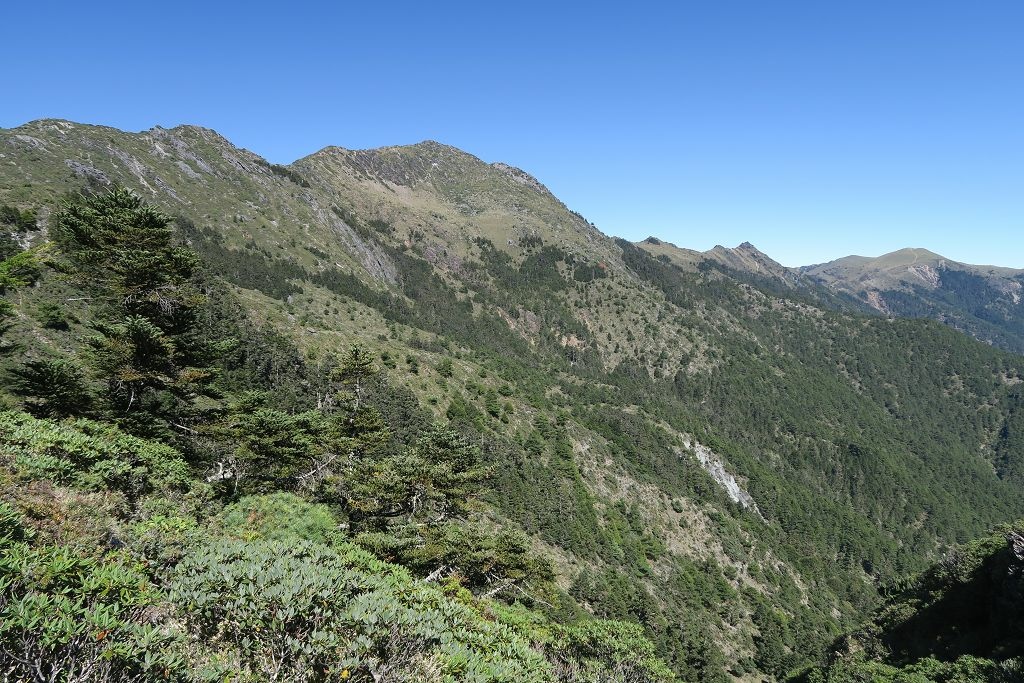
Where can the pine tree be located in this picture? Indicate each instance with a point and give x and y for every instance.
(351, 379)
(53, 387)
(123, 251)
(144, 306)
(437, 479)
(260, 449)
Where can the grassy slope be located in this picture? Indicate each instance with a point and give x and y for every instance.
(859, 438)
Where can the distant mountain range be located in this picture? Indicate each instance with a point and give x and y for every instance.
(986, 302)
(983, 301)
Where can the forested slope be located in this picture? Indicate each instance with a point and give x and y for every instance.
(959, 620)
(611, 396)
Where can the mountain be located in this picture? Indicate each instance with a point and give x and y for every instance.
(746, 257)
(724, 451)
(746, 263)
(983, 301)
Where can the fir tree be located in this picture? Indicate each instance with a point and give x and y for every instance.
(144, 306)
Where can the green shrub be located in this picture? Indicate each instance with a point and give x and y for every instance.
(89, 455)
(11, 528)
(21, 220)
(489, 561)
(69, 618)
(52, 387)
(589, 649)
(279, 517)
(164, 539)
(602, 650)
(306, 612)
(52, 315)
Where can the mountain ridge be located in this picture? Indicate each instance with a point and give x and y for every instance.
(619, 396)
(910, 256)
(432, 145)
(980, 300)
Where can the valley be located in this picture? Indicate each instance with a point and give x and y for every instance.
(646, 463)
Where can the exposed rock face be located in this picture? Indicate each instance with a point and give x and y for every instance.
(1016, 541)
(928, 274)
(714, 467)
(83, 170)
(876, 301)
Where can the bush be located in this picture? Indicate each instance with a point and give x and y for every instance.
(11, 528)
(54, 387)
(89, 455)
(52, 315)
(69, 618)
(22, 221)
(306, 612)
(590, 649)
(602, 650)
(279, 517)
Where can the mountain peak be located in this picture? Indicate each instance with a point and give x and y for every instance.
(520, 176)
(885, 281)
(900, 259)
(908, 256)
(744, 257)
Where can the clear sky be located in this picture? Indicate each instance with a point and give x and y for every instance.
(813, 129)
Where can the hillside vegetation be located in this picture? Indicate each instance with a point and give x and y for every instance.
(957, 621)
(120, 563)
(531, 425)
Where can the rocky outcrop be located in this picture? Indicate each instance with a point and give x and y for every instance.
(714, 466)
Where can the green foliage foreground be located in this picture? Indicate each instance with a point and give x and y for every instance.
(267, 590)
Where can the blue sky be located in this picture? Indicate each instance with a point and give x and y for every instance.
(812, 129)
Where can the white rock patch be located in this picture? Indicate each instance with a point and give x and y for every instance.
(713, 465)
